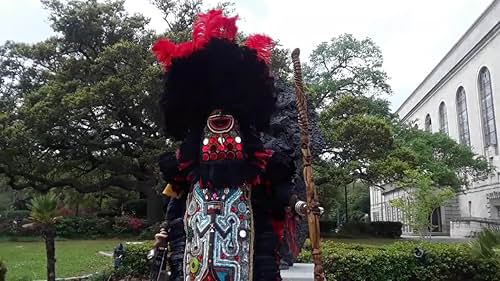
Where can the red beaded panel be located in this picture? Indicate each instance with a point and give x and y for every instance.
(222, 147)
(222, 140)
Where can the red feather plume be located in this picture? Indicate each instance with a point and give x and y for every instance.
(262, 44)
(164, 50)
(213, 24)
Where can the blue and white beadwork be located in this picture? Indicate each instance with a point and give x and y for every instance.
(218, 224)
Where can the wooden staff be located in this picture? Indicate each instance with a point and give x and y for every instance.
(305, 143)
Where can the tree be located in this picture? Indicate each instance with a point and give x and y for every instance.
(80, 109)
(345, 66)
(344, 77)
(81, 106)
(44, 216)
(447, 162)
(365, 142)
(358, 132)
(422, 197)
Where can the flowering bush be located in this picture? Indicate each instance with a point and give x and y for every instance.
(65, 212)
(135, 224)
(128, 224)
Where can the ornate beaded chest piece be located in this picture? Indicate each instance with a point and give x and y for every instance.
(219, 234)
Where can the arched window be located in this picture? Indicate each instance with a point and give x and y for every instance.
(463, 118)
(428, 123)
(443, 119)
(487, 108)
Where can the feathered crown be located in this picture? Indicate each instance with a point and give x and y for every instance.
(213, 24)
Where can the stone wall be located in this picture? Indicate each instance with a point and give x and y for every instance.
(469, 227)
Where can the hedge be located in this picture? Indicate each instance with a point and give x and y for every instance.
(134, 262)
(387, 229)
(351, 262)
(79, 227)
(397, 262)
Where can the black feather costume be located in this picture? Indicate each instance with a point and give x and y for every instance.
(225, 219)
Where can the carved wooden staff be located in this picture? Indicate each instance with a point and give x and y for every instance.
(305, 143)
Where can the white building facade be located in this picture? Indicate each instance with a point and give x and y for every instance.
(460, 97)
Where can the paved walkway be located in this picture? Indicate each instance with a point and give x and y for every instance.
(446, 239)
(298, 272)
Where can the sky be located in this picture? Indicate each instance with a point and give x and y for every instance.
(413, 35)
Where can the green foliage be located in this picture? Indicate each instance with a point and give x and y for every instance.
(134, 261)
(447, 162)
(345, 66)
(397, 262)
(423, 196)
(91, 227)
(3, 271)
(82, 227)
(149, 232)
(136, 207)
(11, 223)
(487, 244)
(43, 209)
(86, 114)
(14, 215)
(104, 275)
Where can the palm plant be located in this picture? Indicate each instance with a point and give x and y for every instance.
(44, 216)
(487, 244)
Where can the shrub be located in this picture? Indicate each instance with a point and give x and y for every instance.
(136, 208)
(149, 232)
(77, 227)
(104, 275)
(387, 229)
(134, 262)
(327, 226)
(3, 271)
(397, 262)
(14, 215)
(11, 223)
(128, 225)
(390, 229)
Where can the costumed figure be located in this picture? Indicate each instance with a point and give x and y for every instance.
(228, 193)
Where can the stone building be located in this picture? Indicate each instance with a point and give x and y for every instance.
(460, 97)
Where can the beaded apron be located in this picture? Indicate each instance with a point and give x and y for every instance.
(219, 234)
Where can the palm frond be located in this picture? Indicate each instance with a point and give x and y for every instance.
(487, 244)
(44, 209)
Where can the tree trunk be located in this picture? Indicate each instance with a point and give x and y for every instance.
(50, 249)
(77, 208)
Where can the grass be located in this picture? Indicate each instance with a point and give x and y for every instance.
(26, 260)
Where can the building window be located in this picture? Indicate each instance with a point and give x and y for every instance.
(428, 123)
(463, 118)
(443, 119)
(470, 208)
(487, 108)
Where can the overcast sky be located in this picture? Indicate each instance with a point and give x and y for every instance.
(413, 35)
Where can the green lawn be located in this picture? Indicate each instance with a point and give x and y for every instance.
(26, 260)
